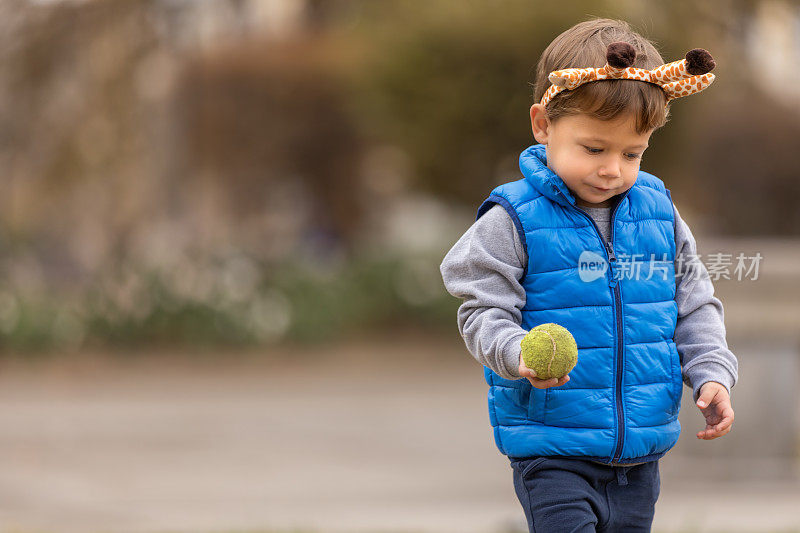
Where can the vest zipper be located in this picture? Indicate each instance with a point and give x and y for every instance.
(608, 246)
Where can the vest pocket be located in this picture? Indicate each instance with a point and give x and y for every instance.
(676, 386)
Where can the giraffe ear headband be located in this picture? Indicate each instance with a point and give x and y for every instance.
(679, 78)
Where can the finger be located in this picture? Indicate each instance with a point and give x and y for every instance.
(547, 383)
(707, 396)
(543, 383)
(537, 383)
(559, 381)
(707, 434)
(712, 432)
(717, 413)
(727, 420)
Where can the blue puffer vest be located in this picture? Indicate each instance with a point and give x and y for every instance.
(622, 401)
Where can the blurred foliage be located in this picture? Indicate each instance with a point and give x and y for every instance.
(140, 148)
(254, 115)
(745, 171)
(234, 300)
(446, 81)
(451, 83)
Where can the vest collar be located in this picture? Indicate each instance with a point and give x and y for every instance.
(533, 164)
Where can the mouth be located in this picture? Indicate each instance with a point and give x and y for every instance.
(601, 189)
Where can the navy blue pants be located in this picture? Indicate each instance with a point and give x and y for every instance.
(576, 495)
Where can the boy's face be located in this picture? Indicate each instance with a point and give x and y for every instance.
(597, 159)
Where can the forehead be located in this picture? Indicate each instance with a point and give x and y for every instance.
(618, 132)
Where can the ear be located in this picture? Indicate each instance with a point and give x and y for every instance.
(540, 124)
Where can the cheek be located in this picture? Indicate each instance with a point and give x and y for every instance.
(630, 178)
(578, 165)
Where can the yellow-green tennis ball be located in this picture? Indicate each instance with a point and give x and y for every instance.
(550, 350)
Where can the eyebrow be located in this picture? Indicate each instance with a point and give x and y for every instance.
(597, 139)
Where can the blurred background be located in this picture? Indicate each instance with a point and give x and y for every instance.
(221, 224)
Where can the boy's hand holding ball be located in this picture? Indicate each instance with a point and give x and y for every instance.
(549, 353)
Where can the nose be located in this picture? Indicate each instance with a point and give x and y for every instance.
(610, 169)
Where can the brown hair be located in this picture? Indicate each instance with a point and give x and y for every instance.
(584, 45)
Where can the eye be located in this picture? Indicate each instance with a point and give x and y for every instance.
(595, 151)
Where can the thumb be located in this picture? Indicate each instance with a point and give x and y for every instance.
(707, 394)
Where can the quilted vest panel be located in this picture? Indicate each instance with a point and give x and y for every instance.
(617, 299)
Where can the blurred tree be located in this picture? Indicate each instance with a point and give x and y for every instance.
(257, 114)
(447, 82)
(753, 186)
(75, 128)
(444, 81)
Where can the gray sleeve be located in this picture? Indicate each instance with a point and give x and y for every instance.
(483, 269)
(700, 331)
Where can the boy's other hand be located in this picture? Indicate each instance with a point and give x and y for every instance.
(715, 404)
(526, 372)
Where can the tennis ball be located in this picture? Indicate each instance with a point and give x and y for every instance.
(550, 351)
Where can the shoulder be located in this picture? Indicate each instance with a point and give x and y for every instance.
(497, 222)
(499, 230)
(497, 216)
(511, 196)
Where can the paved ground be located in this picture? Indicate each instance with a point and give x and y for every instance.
(338, 440)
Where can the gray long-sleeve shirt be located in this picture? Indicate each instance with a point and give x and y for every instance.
(484, 267)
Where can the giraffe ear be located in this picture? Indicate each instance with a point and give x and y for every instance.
(620, 54)
(699, 61)
(687, 86)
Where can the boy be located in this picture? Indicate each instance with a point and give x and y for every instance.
(584, 449)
